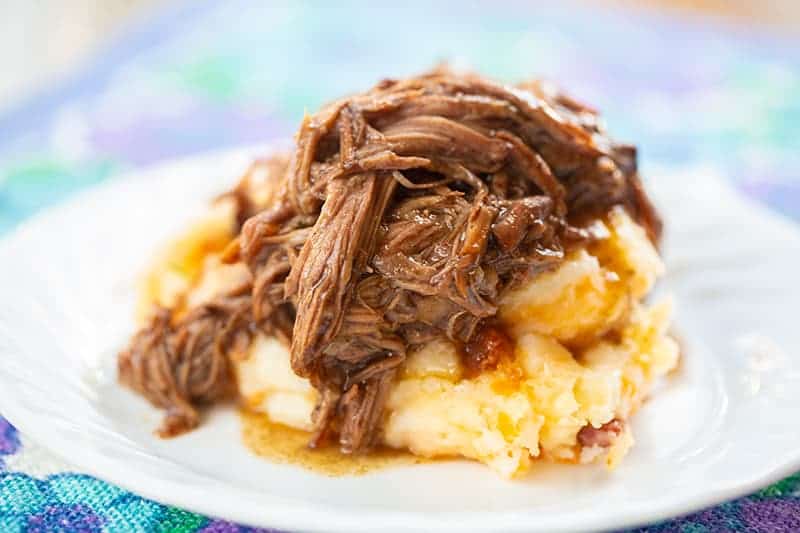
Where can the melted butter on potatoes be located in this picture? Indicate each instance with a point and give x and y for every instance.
(592, 291)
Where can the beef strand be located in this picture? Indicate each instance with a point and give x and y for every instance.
(179, 365)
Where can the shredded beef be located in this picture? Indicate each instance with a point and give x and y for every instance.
(177, 366)
(402, 215)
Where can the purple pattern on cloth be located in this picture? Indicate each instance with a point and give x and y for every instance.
(220, 526)
(65, 518)
(774, 514)
(9, 440)
(156, 139)
(720, 519)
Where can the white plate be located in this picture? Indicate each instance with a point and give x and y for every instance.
(725, 425)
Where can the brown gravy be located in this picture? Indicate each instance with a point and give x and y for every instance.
(285, 445)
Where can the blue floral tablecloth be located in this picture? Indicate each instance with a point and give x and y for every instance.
(207, 75)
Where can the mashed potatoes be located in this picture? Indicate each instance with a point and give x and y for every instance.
(586, 353)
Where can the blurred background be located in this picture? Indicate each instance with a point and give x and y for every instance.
(41, 39)
(93, 87)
